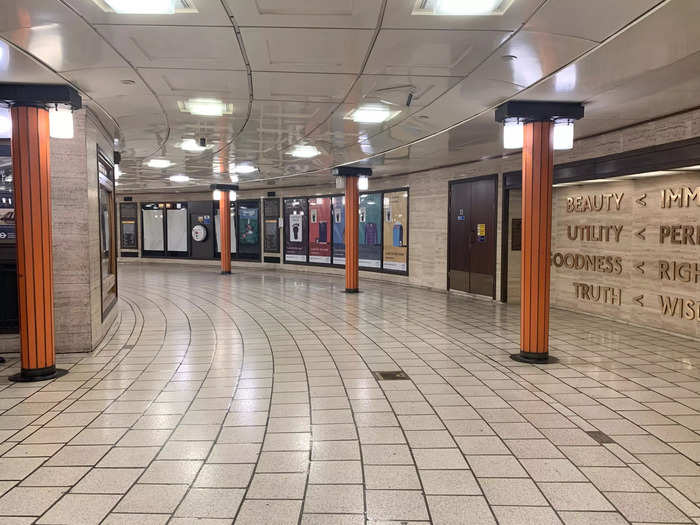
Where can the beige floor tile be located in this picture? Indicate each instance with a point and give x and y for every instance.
(128, 457)
(397, 505)
(29, 501)
(333, 472)
(55, 476)
(210, 503)
(107, 481)
(18, 468)
(391, 477)
(136, 519)
(80, 509)
(526, 516)
(270, 512)
(496, 467)
(575, 496)
(341, 499)
(75, 456)
(144, 438)
(285, 461)
(152, 498)
(458, 510)
(277, 486)
(98, 436)
(185, 450)
(224, 476)
(646, 507)
(449, 482)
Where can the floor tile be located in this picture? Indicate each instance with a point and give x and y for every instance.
(81, 509)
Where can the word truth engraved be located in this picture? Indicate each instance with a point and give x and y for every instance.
(598, 294)
(591, 232)
(597, 202)
(683, 198)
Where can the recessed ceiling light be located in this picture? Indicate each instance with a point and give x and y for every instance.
(304, 151)
(205, 107)
(243, 169)
(461, 7)
(372, 114)
(234, 178)
(192, 145)
(159, 163)
(179, 178)
(142, 7)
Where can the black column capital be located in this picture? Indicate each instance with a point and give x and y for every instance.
(42, 95)
(351, 171)
(535, 111)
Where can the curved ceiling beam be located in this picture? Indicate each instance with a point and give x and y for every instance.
(487, 110)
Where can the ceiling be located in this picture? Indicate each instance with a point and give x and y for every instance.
(291, 71)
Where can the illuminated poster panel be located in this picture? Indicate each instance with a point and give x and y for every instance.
(296, 234)
(395, 231)
(320, 230)
(339, 230)
(371, 230)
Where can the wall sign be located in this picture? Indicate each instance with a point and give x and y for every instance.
(199, 233)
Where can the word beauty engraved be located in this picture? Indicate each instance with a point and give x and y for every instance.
(596, 202)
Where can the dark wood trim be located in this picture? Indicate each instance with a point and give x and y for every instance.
(669, 156)
(505, 246)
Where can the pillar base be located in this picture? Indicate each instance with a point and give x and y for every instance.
(224, 272)
(38, 374)
(534, 358)
(2, 359)
(352, 290)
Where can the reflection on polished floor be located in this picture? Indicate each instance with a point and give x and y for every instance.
(251, 398)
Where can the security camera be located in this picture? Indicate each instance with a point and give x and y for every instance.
(203, 142)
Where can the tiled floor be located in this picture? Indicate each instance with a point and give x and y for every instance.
(251, 398)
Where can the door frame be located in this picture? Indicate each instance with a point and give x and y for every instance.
(494, 179)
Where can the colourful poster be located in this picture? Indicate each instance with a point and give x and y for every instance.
(370, 230)
(396, 231)
(296, 236)
(339, 230)
(320, 230)
(248, 225)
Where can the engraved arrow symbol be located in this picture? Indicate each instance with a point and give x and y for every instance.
(641, 201)
(638, 300)
(640, 233)
(640, 266)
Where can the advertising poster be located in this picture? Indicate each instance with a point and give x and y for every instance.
(320, 230)
(271, 233)
(396, 231)
(248, 229)
(248, 225)
(338, 230)
(371, 230)
(296, 234)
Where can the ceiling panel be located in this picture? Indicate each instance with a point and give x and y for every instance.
(398, 15)
(311, 87)
(431, 52)
(306, 13)
(209, 13)
(176, 47)
(585, 19)
(395, 90)
(187, 83)
(16, 66)
(306, 50)
(65, 46)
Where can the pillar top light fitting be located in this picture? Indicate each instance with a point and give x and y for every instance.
(363, 183)
(141, 7)
(515, 113)
(192, 145)
(461, 7)
(242, 169)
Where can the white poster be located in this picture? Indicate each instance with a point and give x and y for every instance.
(153, 230)
(177, 230)
(296, 232)
(217, 228)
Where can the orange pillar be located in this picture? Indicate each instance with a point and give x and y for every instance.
(538, 168)
(225, 223)
(352, 234)
(32, 183)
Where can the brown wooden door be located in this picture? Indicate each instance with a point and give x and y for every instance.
(472, 236)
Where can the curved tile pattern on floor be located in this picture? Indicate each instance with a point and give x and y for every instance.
(252, 398)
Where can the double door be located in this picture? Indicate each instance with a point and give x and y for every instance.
(472, 236)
